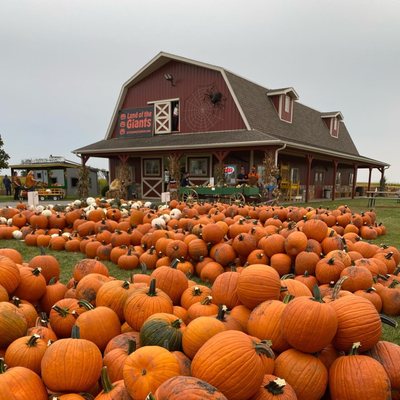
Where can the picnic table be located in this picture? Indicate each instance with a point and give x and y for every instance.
(372, 195)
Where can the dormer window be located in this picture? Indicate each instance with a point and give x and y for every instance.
(332, 122)
(282, 99)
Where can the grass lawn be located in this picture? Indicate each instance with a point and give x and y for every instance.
(388, 213)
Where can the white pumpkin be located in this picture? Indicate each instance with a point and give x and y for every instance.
(77, 203)
(175, 213)
(3, 221)
(9, 221)
(90, 200)
(158, 223)
(66, 234)
(166, 217)
(47, 213)
(17, 235)
(39, 208)
(147, 204)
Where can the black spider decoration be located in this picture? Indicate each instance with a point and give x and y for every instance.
(215, 97)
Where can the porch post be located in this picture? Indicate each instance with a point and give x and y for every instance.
(369, 179)
(173, 165)
(308, 176)
(124, 174)
(83, 184)
(335, 164)
(353, 190)
(220, 155)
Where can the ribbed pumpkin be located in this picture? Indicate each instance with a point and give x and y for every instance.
(20, 383)
(274, 388)
(115, 359)
(32, 285)
(304, 372)
(89, 285)
(112, 390)
(12, 324)
(172, 281)
(357, 377)
(233, 362)
(358, 321)
(388, 354)
(194, 294)
(224, 289)
(258, 283)
(145, 302)
(304, 318)
(113, 294)
(88, 266)
(26, 351)
(265, 323)
(187, 387)
(198, 332)
(9, 274)
(147, 368)
(99, 325)
(162, 332)
(71, 364)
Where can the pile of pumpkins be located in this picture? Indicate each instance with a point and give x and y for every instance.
(287, 305)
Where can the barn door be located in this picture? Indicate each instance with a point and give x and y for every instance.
(152, 179)
(162, 112)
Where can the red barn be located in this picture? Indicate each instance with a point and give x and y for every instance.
(205, 119)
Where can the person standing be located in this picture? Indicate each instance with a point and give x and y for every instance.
(16, 181)
(30, 182)
(7, 185)
(186, 180)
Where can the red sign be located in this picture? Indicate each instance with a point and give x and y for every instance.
(229, 170)
(135, 120)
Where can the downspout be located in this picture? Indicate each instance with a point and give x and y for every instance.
(277, 151)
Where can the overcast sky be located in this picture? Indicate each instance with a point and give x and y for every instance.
(63, 62)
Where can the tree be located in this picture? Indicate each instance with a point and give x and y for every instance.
(4, 157)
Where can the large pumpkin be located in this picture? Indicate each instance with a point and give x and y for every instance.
(12, 324)
(147, 368)
(20, 383)
(233, 362)
(358, 321)
(258, 283)
(187, 387)
(71, 364)
(357, 377)
(145, 302)
(306, 374)
(305, 318)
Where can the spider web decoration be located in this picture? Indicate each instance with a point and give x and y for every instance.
(201, 113)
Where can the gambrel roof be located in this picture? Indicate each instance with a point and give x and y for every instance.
(254, 102)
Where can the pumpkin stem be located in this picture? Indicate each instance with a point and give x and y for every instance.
(75, 332)
(52, 280)
(396, 271)
(16, 301)
(150, 396)
(32, 340)
(264, 347)
(287, 276)
(152, 289)
(177, 323)
(126, 285)
(317, 294)
(61, 310)
(288, 297)
(85, 304)
(196, 291)
(221, 312)
(276, 387)
(394, 284)
(131, 346)
(37, 271)
(388, 321)
(354, 349)
(143, 268)
(370, 290)
(105, 381)
(174, 263)
(3, 366)
(338, 287)
(207, 300)
(389, 255)
(42, 252)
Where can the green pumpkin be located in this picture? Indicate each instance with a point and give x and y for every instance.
(158, 332)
